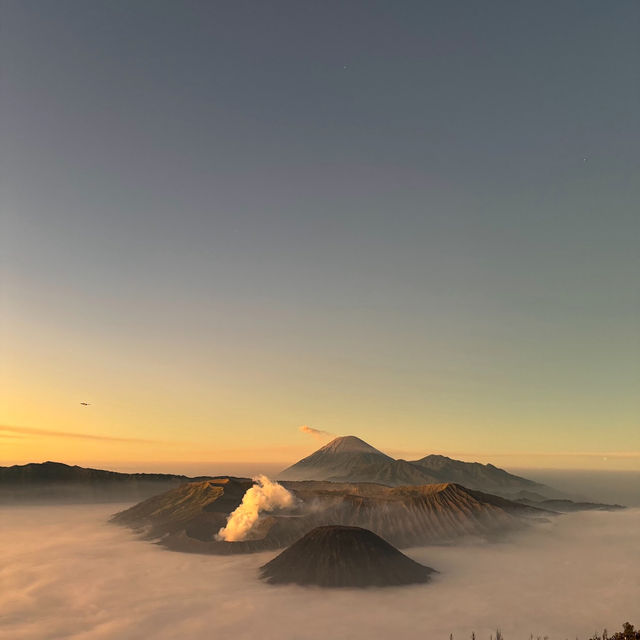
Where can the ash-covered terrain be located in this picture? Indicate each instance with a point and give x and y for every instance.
(339, 556)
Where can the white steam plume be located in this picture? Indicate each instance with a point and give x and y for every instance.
(262, 496)
(318, 434)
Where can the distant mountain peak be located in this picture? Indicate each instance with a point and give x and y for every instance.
(436, 456)
(351, 459)
(344, 456)
(349, 444)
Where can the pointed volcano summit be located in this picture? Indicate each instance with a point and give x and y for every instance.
(346, 456)
(350, 444)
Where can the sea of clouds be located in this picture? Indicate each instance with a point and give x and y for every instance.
(67, 573)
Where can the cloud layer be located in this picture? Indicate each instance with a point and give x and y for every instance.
(68, 574)
(68, 434)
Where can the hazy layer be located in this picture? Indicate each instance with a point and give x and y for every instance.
(622, 487)
(68, 574)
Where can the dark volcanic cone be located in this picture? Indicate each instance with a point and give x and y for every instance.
(338, 556)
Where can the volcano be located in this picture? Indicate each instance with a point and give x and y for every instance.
(339, 556)
(350, 459)
(345, 457)
(188, 517)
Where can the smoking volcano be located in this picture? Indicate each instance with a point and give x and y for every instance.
(339, 556)
(200, 516)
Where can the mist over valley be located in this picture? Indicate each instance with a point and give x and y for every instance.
(484, 561)
(565, 578)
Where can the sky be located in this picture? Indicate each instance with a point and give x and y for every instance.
(414, 222)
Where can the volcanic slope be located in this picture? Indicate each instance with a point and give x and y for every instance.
(339, 556)
(199, 509)
(350, 459)
(188, 518)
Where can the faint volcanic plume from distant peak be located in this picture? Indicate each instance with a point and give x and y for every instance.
(318, 434)
(262, 496)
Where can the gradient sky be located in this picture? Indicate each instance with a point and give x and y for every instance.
(416, 222)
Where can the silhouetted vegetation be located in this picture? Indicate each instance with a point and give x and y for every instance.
(628, 633)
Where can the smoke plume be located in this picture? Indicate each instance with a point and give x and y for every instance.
(318, 434)
(263, 496)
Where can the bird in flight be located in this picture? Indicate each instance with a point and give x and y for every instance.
(85, 404)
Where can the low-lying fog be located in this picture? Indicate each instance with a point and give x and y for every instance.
(622, 487)
(66, 573)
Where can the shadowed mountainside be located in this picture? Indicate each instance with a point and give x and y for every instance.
(339, 556)
(193, 507)
(57, 482)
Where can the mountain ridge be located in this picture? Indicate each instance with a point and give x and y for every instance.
(59, 482)
(188, 517)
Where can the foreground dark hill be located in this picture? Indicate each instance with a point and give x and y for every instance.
(350, 459)
(57, 482)
(187, 518)
(339, 556)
